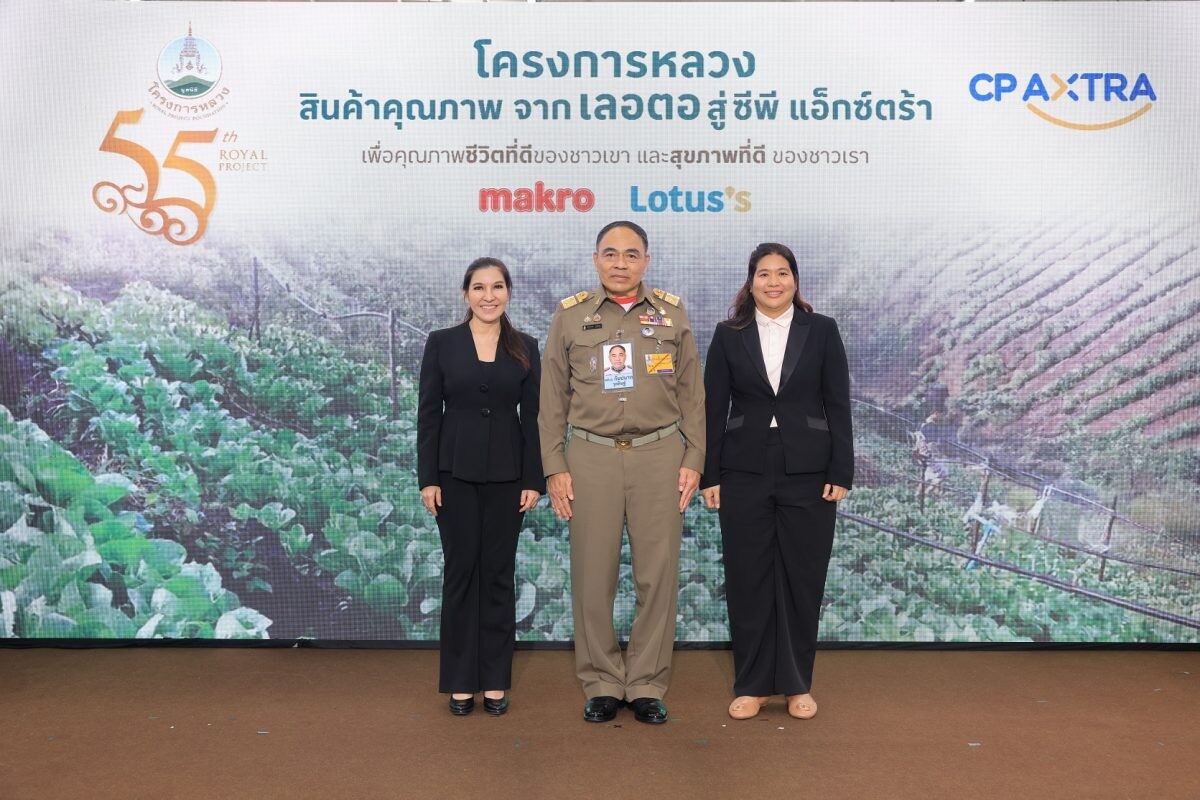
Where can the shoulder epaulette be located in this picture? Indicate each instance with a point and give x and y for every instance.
(667, 297)
(575, 299)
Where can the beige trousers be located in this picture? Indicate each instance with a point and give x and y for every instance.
(638, 487)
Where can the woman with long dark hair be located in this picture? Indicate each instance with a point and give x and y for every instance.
(480, 469)
(780, 456)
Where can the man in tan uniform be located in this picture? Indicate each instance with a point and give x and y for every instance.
(635, 454)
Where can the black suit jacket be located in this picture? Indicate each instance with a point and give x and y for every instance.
(812, 406)
(477, 425)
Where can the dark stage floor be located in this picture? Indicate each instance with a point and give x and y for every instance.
(311, 723)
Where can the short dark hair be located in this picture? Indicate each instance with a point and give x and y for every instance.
(620, 347)
(624, 223)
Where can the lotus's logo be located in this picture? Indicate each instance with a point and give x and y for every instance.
(189, 66)
(1072, 102)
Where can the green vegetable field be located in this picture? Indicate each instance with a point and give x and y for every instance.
(173, 476)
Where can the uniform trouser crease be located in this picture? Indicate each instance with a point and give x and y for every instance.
(638, 488)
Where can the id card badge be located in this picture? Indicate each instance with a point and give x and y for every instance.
(660, 364)
(618, 367)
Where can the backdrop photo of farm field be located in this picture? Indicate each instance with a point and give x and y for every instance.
(218, 441)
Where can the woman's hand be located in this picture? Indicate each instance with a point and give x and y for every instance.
(529, 499)
(834, 493)
(712, 496)
(431, 498)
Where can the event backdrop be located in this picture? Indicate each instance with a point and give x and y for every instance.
(227, 229)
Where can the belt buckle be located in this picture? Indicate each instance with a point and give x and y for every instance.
(623, 442)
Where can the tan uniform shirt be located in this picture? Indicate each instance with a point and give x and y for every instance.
(667, 387)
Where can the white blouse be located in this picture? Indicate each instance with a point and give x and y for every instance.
(773, 336)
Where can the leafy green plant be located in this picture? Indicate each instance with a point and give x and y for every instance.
(74, 564)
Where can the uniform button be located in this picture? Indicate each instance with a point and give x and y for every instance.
(485, 412)
(483, 387)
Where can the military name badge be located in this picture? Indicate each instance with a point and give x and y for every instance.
(660, 364)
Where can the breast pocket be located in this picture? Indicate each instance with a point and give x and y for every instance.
(659, 356)
(587, 357)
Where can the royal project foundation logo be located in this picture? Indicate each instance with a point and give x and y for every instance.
(1081, 101)
(189, 66)
(189, 79)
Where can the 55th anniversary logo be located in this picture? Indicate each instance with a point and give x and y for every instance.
(189, 74)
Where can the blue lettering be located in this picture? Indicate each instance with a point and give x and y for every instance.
(982, 77)
(1114, 86)
(1035, 88)
(1142, 88)
(634, 204)
(1091, 78)
(1005, 83)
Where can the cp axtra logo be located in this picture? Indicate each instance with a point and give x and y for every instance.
(1083, 101)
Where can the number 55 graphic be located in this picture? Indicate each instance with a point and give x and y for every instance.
(154, 213)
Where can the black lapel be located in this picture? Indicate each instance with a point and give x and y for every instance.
(753, 346)
(797, 335)
(469, 352)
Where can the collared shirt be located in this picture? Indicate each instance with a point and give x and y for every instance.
(575, 373)
(773, 336)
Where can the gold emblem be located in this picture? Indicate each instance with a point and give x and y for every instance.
(666, 297)
(574, 299)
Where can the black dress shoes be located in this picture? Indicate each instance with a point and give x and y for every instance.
(495, 707)
(649, 710)
(601, 709)
(461, 708)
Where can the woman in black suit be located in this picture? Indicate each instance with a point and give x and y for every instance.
(780, 456)
(480, 469)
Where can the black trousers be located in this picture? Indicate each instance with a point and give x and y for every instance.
(479, 524)
(778, 535)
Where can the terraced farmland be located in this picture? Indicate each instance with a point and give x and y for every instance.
(1040, 335)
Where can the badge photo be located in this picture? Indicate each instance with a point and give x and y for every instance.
(618, 372)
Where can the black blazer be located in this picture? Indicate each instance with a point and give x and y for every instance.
(478, 426)
(812, 407)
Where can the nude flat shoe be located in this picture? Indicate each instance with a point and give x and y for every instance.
(747, 706)
(802, 706)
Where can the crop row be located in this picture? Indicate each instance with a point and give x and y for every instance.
(153, 378)
(986, 293)
(78, 560)
(1092, 280)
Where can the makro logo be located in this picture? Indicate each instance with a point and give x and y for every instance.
(538, 199)
(1062, 101)
(684, 201)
